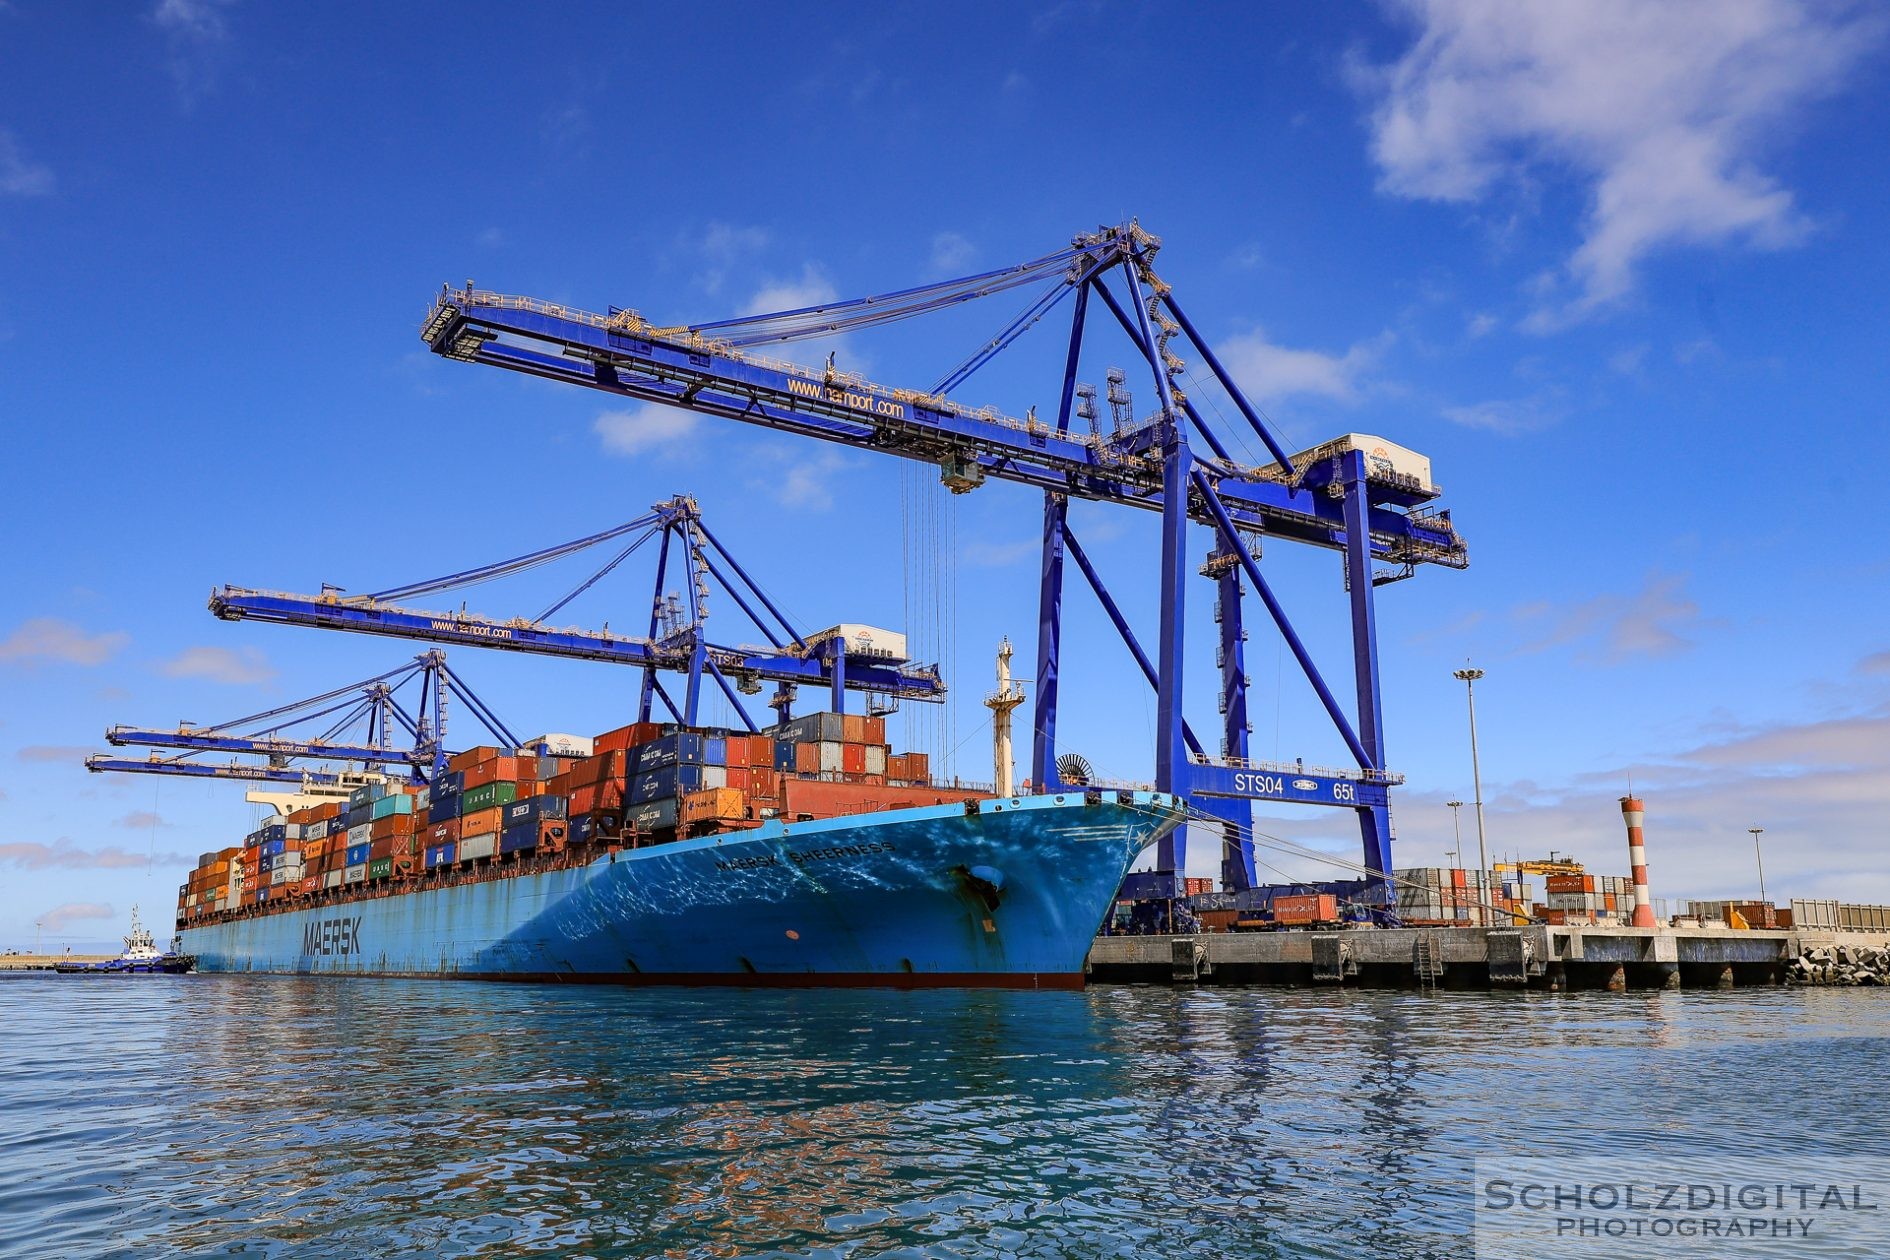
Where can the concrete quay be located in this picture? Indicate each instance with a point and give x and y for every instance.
(1537, 956)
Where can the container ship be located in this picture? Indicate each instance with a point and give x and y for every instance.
(808, 854)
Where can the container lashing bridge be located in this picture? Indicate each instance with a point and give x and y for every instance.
(321, 728)
(1340, 496)
(676, 641)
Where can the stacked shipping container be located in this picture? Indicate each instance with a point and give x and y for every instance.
(642, 783)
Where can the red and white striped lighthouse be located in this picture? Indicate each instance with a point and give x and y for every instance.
(1632, 812)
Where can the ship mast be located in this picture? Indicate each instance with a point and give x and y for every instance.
(1006, 698)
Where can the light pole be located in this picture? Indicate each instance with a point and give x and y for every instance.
(1456, 823)
(1469, 677)
(1756, 831)
(36, 926)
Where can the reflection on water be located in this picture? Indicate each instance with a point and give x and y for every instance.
(348, 1118)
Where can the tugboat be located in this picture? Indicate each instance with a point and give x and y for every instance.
(141, 958)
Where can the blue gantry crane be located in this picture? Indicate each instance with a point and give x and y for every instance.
(1359, 496)
(319, 728)
(677, 638)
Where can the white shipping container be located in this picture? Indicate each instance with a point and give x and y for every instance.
(714, 776)
(360, 835)
(483, 845)
(281, 876)
(876, 759)
(332, 879)
(831, 761)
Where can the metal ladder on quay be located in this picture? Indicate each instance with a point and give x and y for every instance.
(1427, 961)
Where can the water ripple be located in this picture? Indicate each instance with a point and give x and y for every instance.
(320, 1117)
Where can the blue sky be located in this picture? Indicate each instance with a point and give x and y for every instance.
(1618, 270)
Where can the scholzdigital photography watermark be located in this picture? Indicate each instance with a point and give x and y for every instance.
(1682, 1206)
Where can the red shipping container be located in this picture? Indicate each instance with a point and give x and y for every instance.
(625, 737)
(807, 758)
(380, 849)
(581, 800)
(737, 752)
(741, 778)
(920, 765)
(1459, 878)
(1306, 908)
(764, 783)
(612, 765)
(853, 758)
(443, 833)
(875, 731)
(1569, 884)
(819, 799)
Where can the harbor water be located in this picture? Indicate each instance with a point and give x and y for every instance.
(208, 1115)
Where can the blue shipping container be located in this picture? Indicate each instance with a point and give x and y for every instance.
(451, 782)
(268, 863)
(359, 814)
(670, 750)
(338, 825)
(784, 755)
(533, 808)
(272, 847)
(440, 855)
(357, 854)
(276, 831)
(715, 751)
(524, 836)
(444, 806)
(662, 785)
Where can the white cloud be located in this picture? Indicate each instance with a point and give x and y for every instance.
(952, 253)
(140, 820)
(1506, 416)
(53, 754)
(490, 238)
(808, 483)
(50, 639)
(1660, 109)
(19, 175)
(61, 855)
(243, 668)
(198, 38)
(1654, 620)
(1267, 371)
(725, 244)
(650, 427)
(1482, 324)
(811, 289)
(998, 555)
(61, 917)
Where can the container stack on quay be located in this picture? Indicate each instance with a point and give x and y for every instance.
(497, 811)
(1446, 896)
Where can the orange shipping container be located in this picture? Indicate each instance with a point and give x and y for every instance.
(1569, 883)
(737, 752)
(471, 757)
(712, 805)
(853, 728)
(482, 821)
(807, 758)
(392, 825)
(493, 770)
(308, 885)
(875, 730)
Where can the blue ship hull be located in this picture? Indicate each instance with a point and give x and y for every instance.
(1011, 895)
